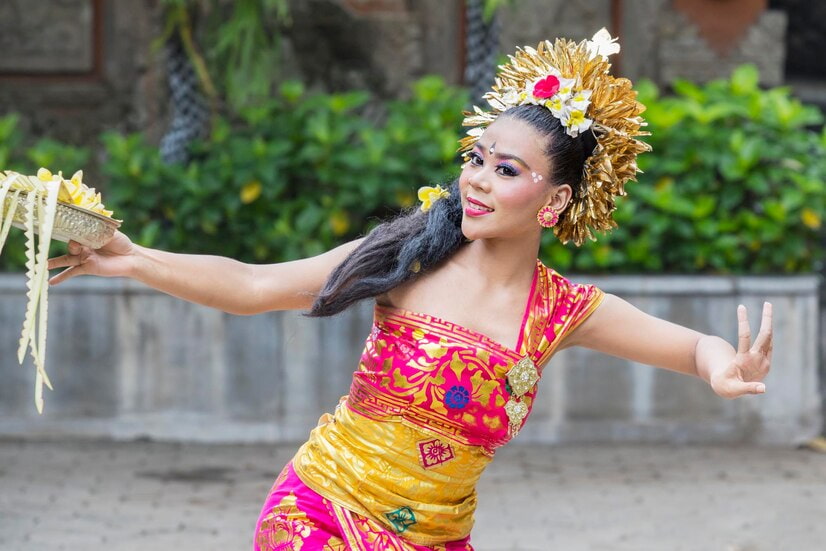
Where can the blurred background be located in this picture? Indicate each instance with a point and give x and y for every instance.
(270, 130)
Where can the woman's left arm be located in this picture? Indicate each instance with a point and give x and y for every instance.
(620, 329)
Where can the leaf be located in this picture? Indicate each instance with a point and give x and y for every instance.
(745, 79)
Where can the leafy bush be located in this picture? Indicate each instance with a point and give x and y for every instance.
(299, 176)
(735, 183)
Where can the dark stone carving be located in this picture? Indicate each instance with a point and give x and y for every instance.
(805, 37)
(47, 36)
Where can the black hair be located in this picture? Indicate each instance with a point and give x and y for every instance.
(414, 242)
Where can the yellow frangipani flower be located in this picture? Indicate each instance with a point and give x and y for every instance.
(429, 195)
(810, 218)
(251, 191)
(339, 223)
(404, 198)
(74, 191)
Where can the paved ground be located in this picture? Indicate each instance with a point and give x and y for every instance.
(84, 495)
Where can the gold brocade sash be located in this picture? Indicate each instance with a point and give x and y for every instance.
(417, 484)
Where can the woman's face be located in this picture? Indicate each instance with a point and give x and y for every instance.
(507, 172)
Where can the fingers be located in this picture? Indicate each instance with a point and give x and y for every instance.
(63, 261)
(67, 273)
(72, 259)
(752, 388)
(743, 331)
(735, 389)
(763, 342)
(74, 247)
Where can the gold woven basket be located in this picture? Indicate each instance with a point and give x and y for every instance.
(71, 222)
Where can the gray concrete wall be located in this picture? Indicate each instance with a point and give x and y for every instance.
(128, 362)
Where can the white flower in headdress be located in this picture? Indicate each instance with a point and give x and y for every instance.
(476, 131)
(557, 105)
(566, 88)
(574, 121)
(602, 44)
(581, 100)
(510, 96)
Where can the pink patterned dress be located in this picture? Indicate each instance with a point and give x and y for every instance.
(396, 466)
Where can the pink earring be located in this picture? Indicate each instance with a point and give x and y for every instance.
(547, 216)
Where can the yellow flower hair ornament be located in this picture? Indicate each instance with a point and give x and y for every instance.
(429, 195)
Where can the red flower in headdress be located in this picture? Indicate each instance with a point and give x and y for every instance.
(546, 87)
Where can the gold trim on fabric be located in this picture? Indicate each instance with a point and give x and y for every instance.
(595, 301)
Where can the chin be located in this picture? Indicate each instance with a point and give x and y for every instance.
(473, 233)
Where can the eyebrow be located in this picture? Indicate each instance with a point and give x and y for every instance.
(484, 148)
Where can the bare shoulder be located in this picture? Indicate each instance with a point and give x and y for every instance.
(415, 293)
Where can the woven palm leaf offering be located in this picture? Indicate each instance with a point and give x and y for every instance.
(51, 207)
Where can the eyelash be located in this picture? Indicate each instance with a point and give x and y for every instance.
(473, 157)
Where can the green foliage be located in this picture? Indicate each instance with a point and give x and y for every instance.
(735, 184)
(490, 7)
(245, 49)
(302, 174)
(240, 41)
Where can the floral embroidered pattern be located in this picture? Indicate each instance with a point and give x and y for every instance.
(422, 366)
(435, 452)
(285, 527)
(457, 397)
(401, 519)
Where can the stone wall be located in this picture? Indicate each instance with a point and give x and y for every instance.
(127, 362)
(76, 67)
(658, 41)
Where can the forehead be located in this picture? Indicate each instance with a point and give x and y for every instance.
(518, 138)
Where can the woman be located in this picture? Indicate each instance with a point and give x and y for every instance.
(466, 316)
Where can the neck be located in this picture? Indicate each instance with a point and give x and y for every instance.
(502, 261)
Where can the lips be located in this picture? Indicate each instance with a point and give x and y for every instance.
(477, 203)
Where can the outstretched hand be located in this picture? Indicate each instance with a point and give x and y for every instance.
(745, 373)
(111, 260)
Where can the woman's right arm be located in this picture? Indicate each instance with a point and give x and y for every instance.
(215, 281)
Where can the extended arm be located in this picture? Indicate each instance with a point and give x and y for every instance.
(215, 281)
(619, 329)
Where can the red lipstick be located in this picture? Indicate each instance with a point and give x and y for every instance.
(477, 208)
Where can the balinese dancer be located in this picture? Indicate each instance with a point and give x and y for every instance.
(466, 317)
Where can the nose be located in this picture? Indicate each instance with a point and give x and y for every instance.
(479, 179)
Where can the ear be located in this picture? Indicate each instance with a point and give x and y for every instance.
(560, 197)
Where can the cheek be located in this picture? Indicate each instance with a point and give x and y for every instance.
(521, 196)
(463, 177)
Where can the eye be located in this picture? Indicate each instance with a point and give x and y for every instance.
(507, 170)
(474, 158)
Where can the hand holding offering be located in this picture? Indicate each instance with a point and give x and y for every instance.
(50, 207)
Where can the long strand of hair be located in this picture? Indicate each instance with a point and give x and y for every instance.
(393, 253)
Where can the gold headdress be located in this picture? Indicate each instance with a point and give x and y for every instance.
(572, 81)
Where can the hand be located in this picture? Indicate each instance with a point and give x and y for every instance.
(111, 260)
(751, 363)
